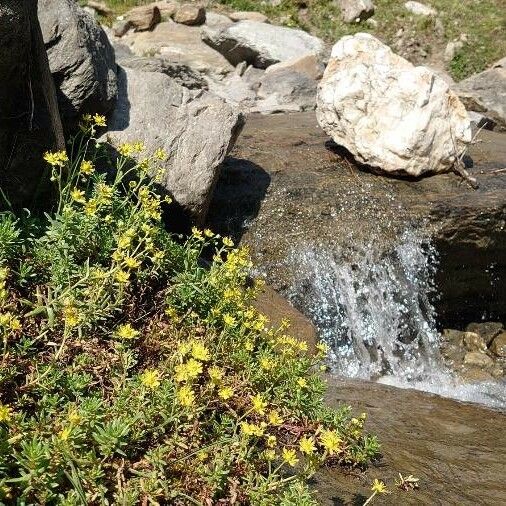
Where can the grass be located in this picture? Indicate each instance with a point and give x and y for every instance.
(483, 21)
(135, 372)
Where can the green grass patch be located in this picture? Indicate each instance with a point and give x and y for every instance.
(134, 372)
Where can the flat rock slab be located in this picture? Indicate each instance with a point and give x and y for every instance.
(285, 185)
(455, 449)
(181, 44)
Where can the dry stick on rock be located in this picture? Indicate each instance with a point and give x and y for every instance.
(459, 167)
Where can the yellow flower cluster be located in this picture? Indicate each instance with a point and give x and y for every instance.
(56, 159)
(5, 413)
(150, 378)
(126, 331)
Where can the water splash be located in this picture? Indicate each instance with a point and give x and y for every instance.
(373, 309)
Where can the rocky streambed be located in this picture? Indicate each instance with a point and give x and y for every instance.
(381, 265)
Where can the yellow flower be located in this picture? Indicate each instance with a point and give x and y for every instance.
(250, 429)
(271, 441)
(322, 348)
(307, 446)
(132, 263)
(249, 345)
(274, 418)
(269, 454)
(185, 372)
(58, 158)
(15, 324)
(90, 208)
(379, 487)
(266, 364)
(65, 433)
(208, 233)
(302, 383)
(200, 352)
(74, 417)
(259, 404)
(78, 196)
(160, 154)
(5, 413)
(289, 456)
(126, 149)
(216, 374)
(229, 320)
(330, 440)
(150, 378)
(70, 316)
(225, 393)
(104, 192)
(197, 233)
(122, 277)
(126, 331)
(186, 396)
(228, 242)
(99, 120)
(87, 167)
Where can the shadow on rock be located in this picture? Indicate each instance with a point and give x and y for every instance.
(237, 198)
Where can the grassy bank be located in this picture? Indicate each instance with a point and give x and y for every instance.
(134, 373)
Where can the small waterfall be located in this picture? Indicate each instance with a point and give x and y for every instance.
(373, 309)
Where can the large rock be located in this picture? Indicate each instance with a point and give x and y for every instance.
(389, 114)
(29, 119)
(290, 85)
(179, 44)
(196, 130)
(190, 14)
(80, 57)
(260, 44)
(143, 17)
(353, 11)
(486, 93)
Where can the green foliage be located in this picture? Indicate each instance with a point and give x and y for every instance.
(134, 372)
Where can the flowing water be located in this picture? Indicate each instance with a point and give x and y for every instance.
(374, 311)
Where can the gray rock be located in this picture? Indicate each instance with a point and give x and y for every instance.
(487, 330)
(29, 119)
(353, 11)
(451, 49)
(215, 18)
(253, 76)
(260, 44)
(120, 27)
(196, 129)
(420, 9)
(486, 93)
(290, 85)
(479, 121)
(248, 15)
(234, 90)
(498, 346)
(190, 14)
(181, 44)
(81, 60)
(181, 73)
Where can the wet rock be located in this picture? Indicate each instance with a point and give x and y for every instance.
(420, 9)
(452, 336)
(81, 60)
(478, 359)
(260, 44)
(486, 93)
(487, 330)
(354, 11)
(248, 16)
(196, 130)
(474, 342)
(180, 44)
(190, 14)
(389, 114)
(498, 346)
(144, 17)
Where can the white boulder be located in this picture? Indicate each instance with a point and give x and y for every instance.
(420, 9)
(389, 114)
